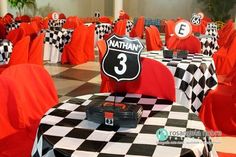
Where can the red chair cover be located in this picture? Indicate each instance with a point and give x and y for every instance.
(155, 80)
(34, 93)
(125, 16)
(15, 35)
(190, 44)
(36, 50)
(218, 111)
(152, 40)
(62, 16)
(89, 44)
(74, 52)
(120, 27)
(157, 36)
(20, 52)
(138, 28)
(225, 58)
(3, 31)
(225, 32)
(104, 19)
(72, 22)
(169, 29)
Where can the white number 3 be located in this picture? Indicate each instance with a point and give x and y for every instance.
(123, 58)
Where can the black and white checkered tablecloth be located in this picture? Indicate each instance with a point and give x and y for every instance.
(64, 131)
(12, 26)
(102, 29)
(209, 45)
(56, 24)
(57, 38)
(5, 51)
(194, 75)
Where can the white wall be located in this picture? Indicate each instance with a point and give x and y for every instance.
(163, 9)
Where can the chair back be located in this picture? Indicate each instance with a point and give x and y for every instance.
(138, 28)
(15, 35)
(20, 52)
(36, 50)
(120, 27)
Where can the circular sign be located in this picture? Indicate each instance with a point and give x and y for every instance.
(183, 29)
(55, 16)
(201, 15)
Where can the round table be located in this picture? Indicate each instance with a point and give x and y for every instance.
(65, 131)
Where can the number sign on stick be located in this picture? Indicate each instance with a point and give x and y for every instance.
(122, 59)
(183, 29)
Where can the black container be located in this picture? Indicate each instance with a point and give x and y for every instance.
(122, 115)
(167, 53)
(182, 54)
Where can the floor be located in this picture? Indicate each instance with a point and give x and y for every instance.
(71, 81)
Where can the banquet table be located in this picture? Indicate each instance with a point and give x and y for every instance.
(65, 131)
(5, 51)
(194, 77)
(54, 43)
(12, 26)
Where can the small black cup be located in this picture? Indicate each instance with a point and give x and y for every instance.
(182, 54)
(167, 53)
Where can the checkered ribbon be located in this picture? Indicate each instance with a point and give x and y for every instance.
(57, 38)
(194, 75)
(5, 51)
(64, 131)
(12, 26)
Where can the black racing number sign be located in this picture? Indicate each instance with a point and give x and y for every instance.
(196, 19)
(122, 59)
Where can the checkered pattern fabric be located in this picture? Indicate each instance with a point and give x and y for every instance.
(5, 51)
(57, 38)
(129, 25)
(211, 30)
(102, 29)
(56, 24)
(12, 26)
(194, 75)
(209, 45)
(64, 131)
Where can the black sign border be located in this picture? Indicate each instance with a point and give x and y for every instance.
(139, 53)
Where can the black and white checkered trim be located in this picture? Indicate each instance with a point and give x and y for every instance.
(209, 45)
(102, 29)
(194, 75)
(64, 131)
(5, 51)
(12, 26)
(56, 24)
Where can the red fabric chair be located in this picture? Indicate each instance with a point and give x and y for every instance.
(120, 27)
(138, 28)
(169, 29)
(152, 40)
(157, 36)
(26, 99)
(36, 50)
(199, 28)
(155, 80)
(62, 16)
(225, 32)
(218, 111)
(30, 29)
(20, 52)
(124, 16)
(190, 44)
(104, 19)
(3, 31)
(225, 57)
(74, 52)
(72, 22)
(105, 85)
(89, 44)
(15, 35)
